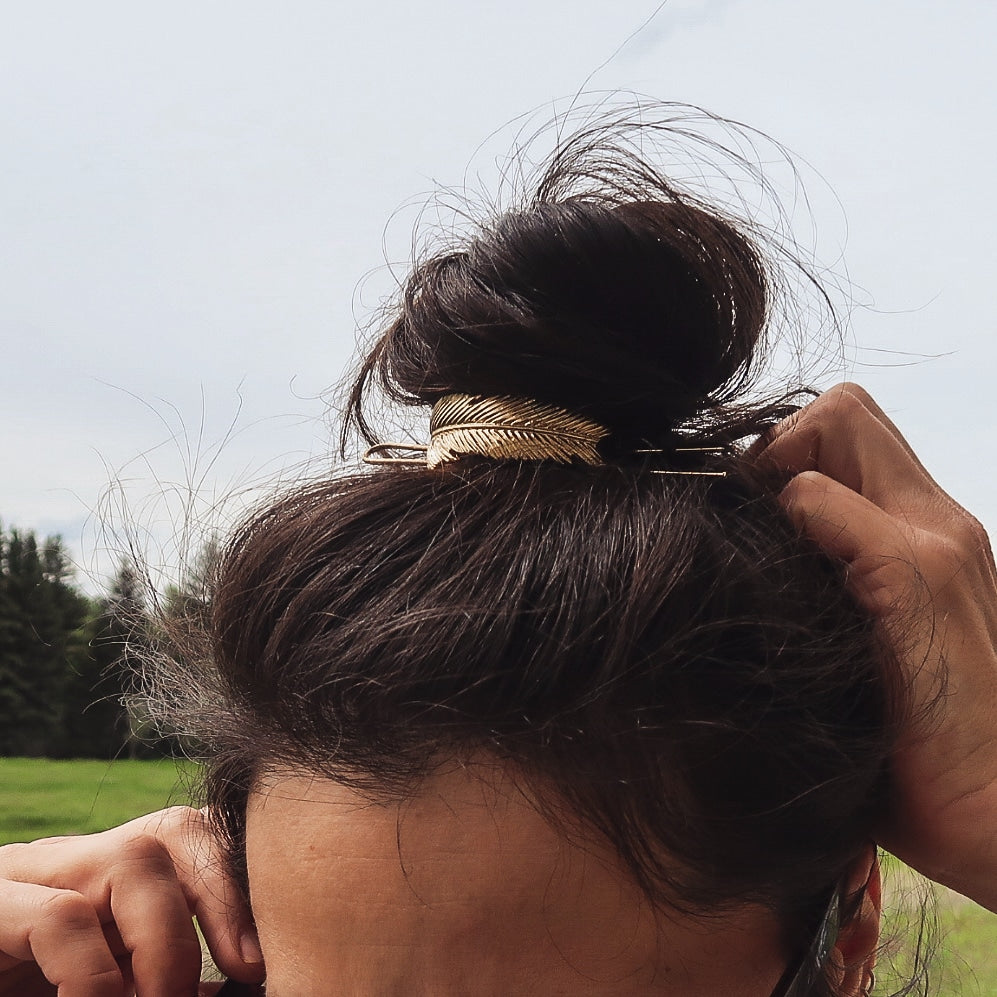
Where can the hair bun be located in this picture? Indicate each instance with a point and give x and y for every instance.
(635, 307)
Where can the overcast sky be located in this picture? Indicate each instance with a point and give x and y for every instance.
(197, 201)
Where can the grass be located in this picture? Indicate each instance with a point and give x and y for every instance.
(968, 956)
(960, 936)
(39, 798)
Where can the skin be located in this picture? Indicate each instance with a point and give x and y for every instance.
(465, 888)
(103, 915)
(924, 567)
(93, 913)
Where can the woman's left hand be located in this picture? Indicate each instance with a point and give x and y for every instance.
(104, 915)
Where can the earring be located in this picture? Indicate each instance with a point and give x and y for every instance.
(868, 982)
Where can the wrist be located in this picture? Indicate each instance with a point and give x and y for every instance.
(960, 849)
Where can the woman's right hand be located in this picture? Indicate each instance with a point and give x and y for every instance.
(923, 566)
(108, 914)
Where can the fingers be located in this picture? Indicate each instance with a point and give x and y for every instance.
(879, 550)
(923, 566)
(129, 892)
(154, 922)
(845, 394)
(219, 906)
(60, 931)
(846, 436)
(132, 900)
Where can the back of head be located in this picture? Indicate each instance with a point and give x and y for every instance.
(661, 658)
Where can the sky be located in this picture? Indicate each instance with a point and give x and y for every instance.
(202, 204)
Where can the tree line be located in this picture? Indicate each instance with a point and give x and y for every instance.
(64, 665)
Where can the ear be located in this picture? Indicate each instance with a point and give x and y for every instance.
(858, 938)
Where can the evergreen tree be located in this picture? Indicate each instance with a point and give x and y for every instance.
(48, 671)
(96, 721)
(66, 661)
(12, 667)
(35, 660)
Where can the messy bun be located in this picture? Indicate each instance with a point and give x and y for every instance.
(661, 657)
(611, 293)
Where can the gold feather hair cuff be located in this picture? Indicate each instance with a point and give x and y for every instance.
(500, 427)
(505, 428)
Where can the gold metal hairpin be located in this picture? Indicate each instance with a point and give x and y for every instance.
(506, 428)
(698, 474)
(500, 427)
(379, 453)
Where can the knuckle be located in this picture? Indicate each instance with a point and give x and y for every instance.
(932, 550)
(12, 857)
(98, 982)
(173, 820)
(148, 853)
(185, 950)
(805, 487)
(142, 848)
(156, 830)
(93, 982)
(855, 392)
(810, 479)
(106, 981)
(969, 532)
(840, 406)
(848, 401)
(68, 910)
(941, 559)
(181, 813)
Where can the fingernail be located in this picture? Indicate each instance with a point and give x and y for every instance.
(249, 946)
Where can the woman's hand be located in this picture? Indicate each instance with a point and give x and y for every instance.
(924, 567)
(105, 915)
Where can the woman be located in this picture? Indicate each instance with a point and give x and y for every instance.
(564, 702)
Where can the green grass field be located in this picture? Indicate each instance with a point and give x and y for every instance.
(40, 798)
(959, 935)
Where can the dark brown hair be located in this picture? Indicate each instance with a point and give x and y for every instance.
(662, 657)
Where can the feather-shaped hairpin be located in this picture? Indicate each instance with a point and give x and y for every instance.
(500, 427)
(507, 428)
(504, 427)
